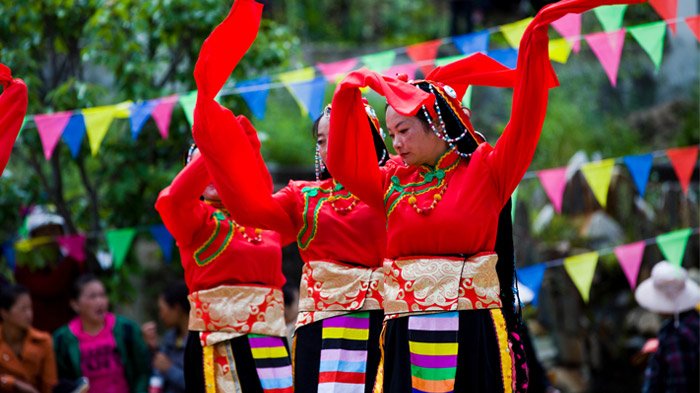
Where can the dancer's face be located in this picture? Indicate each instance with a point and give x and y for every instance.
(413, 140)
(210, 193)
(322, 138)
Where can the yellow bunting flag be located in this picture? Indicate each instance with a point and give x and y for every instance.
(598, 175)
(514, 31)
(301, 75)
(581, 269)
(97, 122)
(123, 110)
(559, 50)
(26, 245)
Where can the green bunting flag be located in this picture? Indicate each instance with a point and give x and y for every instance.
(119, 242)
(514, 201)
(187, 102)
(598, 175)
(581, 269)
(651, 38)
(379, 61)
(447, 60)
(673, 245)
(610, 16)
(467, 100)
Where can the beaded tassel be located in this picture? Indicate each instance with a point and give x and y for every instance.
(318, 163)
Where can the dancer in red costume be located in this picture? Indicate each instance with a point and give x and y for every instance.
(448, 297)
(341, 240)
(13, 107)
(234, 273)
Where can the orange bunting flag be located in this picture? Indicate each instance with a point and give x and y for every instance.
(683, 160)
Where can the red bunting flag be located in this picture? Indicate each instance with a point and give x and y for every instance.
(607, 47)
(693, 23)
(50, 127)
(162, 114)
(554, 182)
(334, 71)
(630, 258)
(668, 10)
(683, 160)
(424, 54)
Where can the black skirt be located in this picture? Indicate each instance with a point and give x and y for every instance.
(308, 344)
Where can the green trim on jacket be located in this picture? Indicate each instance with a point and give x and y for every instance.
(134, 354)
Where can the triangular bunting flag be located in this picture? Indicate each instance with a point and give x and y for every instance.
(165, 240)
(581, 269)
(74, 133)
(467, 100)
(447, 60)
(379, 62)
(188, 102)
(50, 127)
(8, 250)
(508, 57)
(73, 246)
(122, 110)
(554, 183)
(140, 112)
(569, 26)
(667, 10)
(119, 242)
(163, 113)
(514, 202)
(97, 122)
(630, 258)
(336, 70)
(254, 93)
(531, 277)
(683, 160)
(639, 167)
(559, 50)
(598, 175)
(300, 75)
(408, 69)
(21, 128)
(673, 245)
(472, 43)
(610, 16)
(424, 54)
(309, 94)
(514, 31)
(651, 38)
(608, 49)
(693, 23)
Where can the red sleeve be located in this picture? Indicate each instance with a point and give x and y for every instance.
(13, 108)
(178, 204)
(351, 159)
(515, 148)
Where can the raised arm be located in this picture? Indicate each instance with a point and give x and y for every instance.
(178, 204)
(351, 159)
(515, 148)
(13, 108)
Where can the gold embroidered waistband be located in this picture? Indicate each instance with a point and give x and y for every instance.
(427, 284)
(330, 288)
(227, 312)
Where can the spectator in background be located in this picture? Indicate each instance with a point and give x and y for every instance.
(168, 361)
(674, 365)
(27, 363)
(106, 348)
(46, 272)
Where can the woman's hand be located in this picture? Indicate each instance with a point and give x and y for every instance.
(150, 334)
(24, 387)
(161, 362)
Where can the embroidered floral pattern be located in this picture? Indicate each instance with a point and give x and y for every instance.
(314, 198)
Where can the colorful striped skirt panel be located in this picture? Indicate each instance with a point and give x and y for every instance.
(343, 365)
(272, 363)
(432, 342)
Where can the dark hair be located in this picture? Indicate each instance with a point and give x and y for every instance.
(379, 146)
(175, 295)
(453, 126)
(80, 284)
(9, 295)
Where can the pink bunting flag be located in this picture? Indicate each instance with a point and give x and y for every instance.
(408, 69)
(693, 23)
(668, 10)
(73, 246)
(607, 47)
(683, 160)
(630, 258)
(554, 182)
(333, 71)
(424, 54)
(162, 114)
(50, 127)
(569, 26)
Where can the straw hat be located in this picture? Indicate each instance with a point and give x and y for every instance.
(668, 290)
